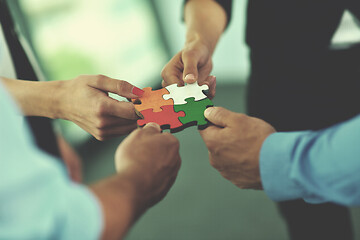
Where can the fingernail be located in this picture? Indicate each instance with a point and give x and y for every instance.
(137, 91)
(189, 77)
(208, 112)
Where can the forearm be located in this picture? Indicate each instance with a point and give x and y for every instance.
(317, 166)
(121, 205)
(205, 21)
(35, 98)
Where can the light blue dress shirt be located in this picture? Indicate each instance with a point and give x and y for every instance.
(37, 199)
(318, 166)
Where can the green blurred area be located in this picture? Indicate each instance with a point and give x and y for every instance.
(117, 38)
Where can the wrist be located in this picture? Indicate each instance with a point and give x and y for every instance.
(57, 100)
(196, 39)
(120, 204)
(34, 98)
(205, 21)
(135, 188)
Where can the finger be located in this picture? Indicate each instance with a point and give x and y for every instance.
(117, 131)
(190, 74)
(211, 82)
(171, 80)
(110, 122)
(116, 108)
(210, 135)
(151, 128)
(220, 116)
(119, 87)
(172, 72)
(172, 76)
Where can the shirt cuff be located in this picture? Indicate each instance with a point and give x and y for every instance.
(275, 166)
(83, 214)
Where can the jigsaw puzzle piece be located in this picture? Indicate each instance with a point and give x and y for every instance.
(152, 99)
(194, 112)
(179, 94)
(167, 118)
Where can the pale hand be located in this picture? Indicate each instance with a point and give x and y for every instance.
(192, 63)
(85, 101)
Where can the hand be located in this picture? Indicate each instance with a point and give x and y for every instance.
(191, 64)
(147, 162)
(85, 101)
(151, 160)
(234, 143)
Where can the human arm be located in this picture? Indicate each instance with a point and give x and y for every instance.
(38, 200)
(83, 100)
(319, 166)
(205, 21)
(147, 163)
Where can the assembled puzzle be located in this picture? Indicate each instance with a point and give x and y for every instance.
(174, 107)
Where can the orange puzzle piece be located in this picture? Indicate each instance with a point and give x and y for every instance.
(152, 99)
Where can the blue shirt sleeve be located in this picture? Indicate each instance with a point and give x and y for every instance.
(318, 166)
(38, 201)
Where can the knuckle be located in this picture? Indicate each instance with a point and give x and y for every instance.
(100, 109)
(164, 72)
(171, 140)
(214, 164)
(214, 147)
(100, 137)
(241, 117)
(121, 85)
(80, 77)
(101, 124)
(241, 185)
(211, 146)
(98, 79)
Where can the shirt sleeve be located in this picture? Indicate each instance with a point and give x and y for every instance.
(318, 166)
(38, 201)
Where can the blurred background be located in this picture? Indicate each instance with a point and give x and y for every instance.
(132, 40)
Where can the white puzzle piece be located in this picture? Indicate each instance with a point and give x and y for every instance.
(179, 94)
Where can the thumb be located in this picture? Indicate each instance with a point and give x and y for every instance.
(120, 87)
(190, 73)
(151, 128)
(220, 116)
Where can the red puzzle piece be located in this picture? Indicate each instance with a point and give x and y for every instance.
(167, 118)
(152, 99)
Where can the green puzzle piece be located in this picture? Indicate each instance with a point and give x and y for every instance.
(194, 111)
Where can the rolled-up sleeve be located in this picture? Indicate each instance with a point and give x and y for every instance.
(37, 199)
(318, 166)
